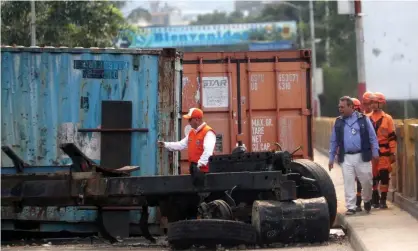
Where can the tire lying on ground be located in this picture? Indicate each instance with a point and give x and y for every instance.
(210, 232)
(324, 185)
(301, 220)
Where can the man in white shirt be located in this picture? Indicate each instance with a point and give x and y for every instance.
(200, 141)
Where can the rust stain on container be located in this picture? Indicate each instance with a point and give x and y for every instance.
(270, 90)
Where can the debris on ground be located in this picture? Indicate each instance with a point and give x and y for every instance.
(337, 232)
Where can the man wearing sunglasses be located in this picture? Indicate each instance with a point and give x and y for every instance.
(200, 141)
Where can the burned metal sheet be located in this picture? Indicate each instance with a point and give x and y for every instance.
(116, 146)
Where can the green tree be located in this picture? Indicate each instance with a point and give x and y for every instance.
(219, 18)
(136, 14)
(66, 23)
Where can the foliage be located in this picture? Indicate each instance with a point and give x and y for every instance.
(220, 18)
(66, 23)
(138, 13)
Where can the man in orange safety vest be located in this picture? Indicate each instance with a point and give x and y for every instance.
(200, 141)
(386, 136)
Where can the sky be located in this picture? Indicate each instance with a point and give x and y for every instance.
(186, 6)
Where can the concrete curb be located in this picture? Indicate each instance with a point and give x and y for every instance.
(356, 243)
(404, 203)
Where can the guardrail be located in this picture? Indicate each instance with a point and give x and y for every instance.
(404, 177)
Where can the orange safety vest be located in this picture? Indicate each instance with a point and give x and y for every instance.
(195, 145)
(386, 136)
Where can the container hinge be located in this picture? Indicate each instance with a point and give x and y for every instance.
(306, 112)
(304, 65)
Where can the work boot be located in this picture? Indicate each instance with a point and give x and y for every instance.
(358, 204)
(383, 201)
(375, 199)
(368, 206)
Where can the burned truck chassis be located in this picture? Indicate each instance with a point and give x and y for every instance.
(227, 192)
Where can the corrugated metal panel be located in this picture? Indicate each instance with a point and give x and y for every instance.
(271, 90)
(46, 97)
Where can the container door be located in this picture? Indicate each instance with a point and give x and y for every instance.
(209, 86)
(274, 105)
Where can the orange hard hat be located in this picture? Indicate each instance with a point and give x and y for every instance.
(194, 113)
(356, 102)
(379, 98)
(367, 97)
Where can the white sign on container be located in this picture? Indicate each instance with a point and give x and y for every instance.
(215, 92)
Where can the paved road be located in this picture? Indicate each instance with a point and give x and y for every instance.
(342, 246)
(337, 242)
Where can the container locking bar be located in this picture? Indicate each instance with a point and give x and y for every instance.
(113, 130)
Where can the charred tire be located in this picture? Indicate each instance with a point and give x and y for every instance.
(324, 185)
(210, 232)
(301, 220)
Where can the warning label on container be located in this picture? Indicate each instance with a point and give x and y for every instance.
(215, 92)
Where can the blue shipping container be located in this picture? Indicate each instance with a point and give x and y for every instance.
(47, 94)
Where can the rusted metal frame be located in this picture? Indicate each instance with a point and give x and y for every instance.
(18, 163)
(82, 163)
(250, 112)
(113, 130)
(200, 84)
(309, 107)
(254, 60)
(276, 84)
(239, 104)
(167, 110)
(101, 189)
(231, 106)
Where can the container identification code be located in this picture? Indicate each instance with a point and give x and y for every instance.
(99, 69)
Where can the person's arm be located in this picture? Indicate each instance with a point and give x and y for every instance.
(208, 147)
(392, 135)
(373, 138)
(332, 146)
(177, 146)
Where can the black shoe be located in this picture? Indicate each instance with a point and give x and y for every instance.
(383, 205)
(383, 201)
(359, 209)
(375, 199)
(350, 212)
(367, 206)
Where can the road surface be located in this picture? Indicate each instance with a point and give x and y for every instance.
(337, 242)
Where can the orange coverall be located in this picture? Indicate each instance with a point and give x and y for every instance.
(385, 131)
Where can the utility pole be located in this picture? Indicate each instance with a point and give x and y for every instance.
(33, 23)
(361, 72)
(313, 48)
(327, 45)
(302, 37)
